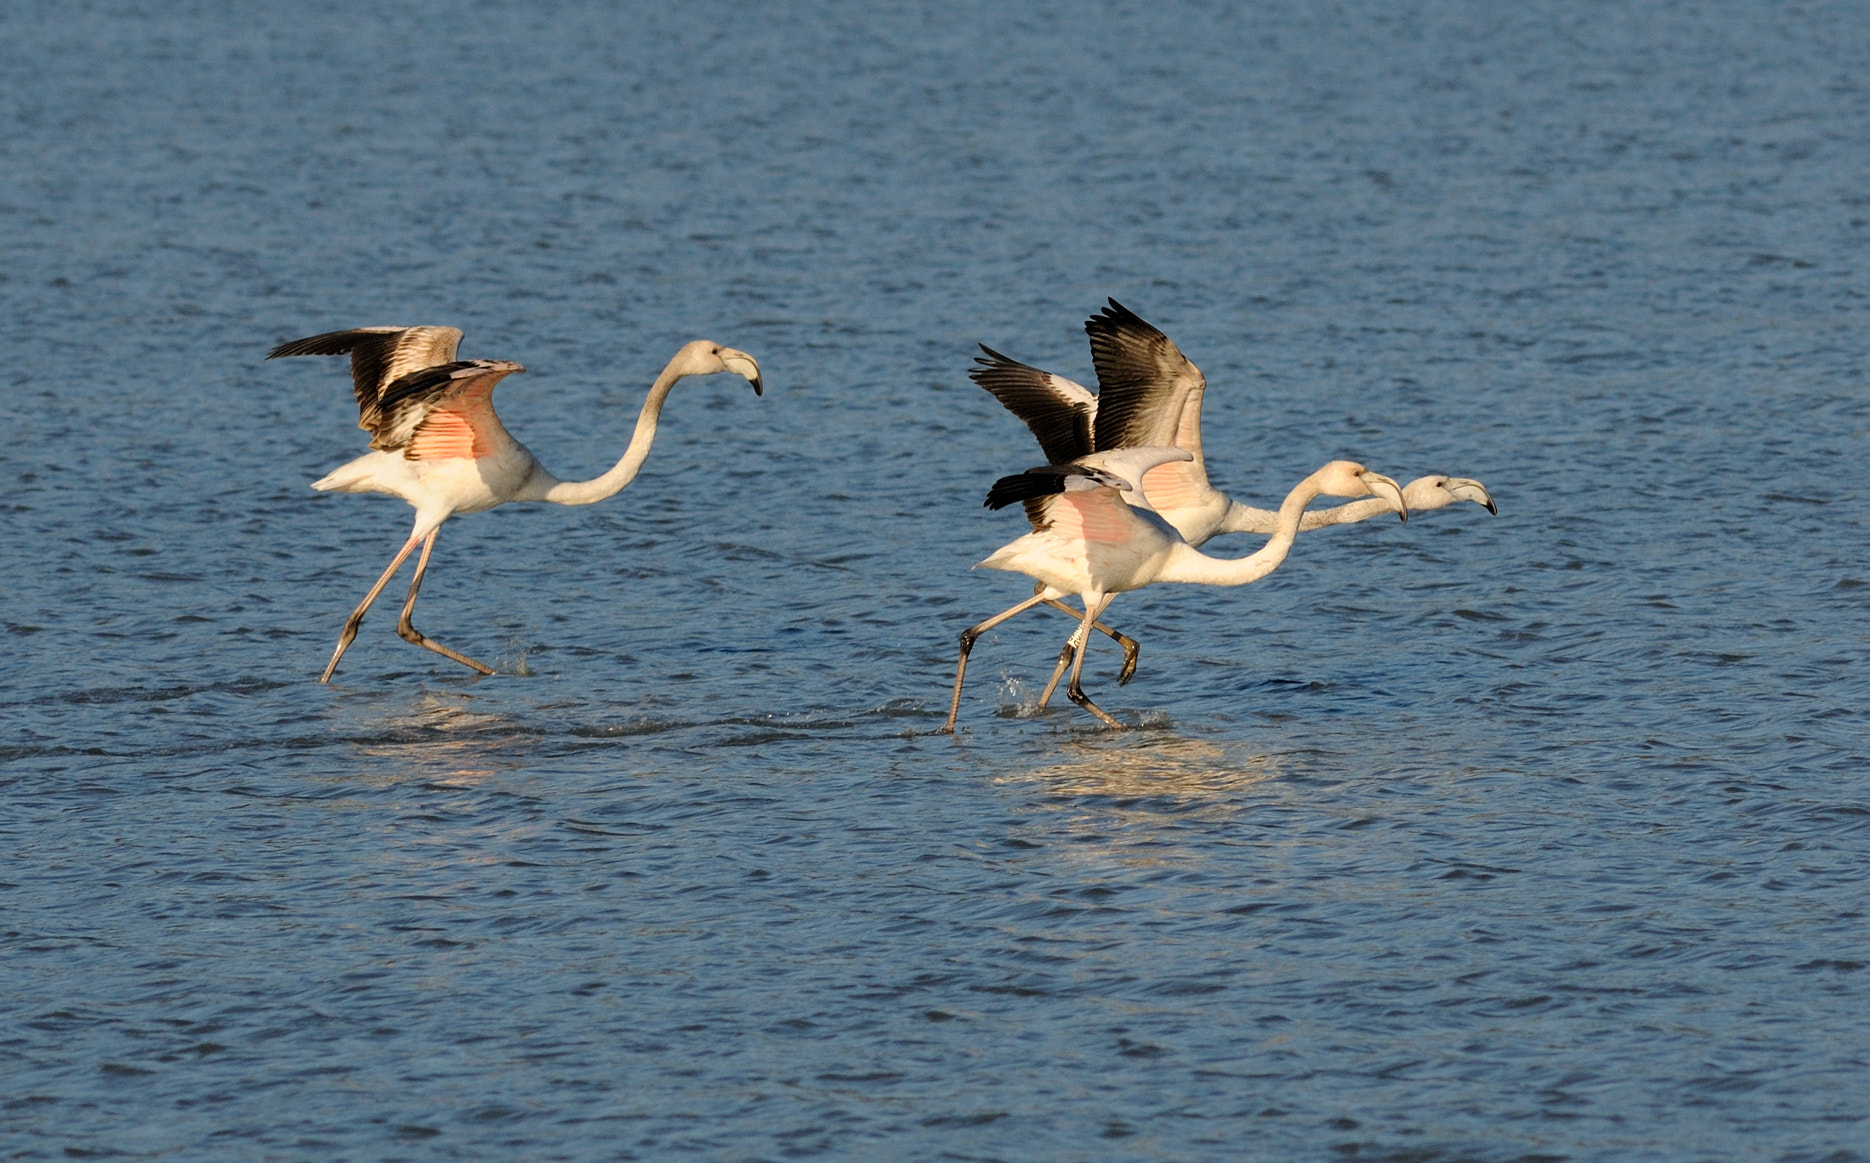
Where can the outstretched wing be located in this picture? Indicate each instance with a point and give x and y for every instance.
(1059, 412)
(1145, 384)
(380, 356)
(440, 412)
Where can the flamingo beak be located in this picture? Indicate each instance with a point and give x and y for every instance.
(1382, 486)
(1463, 489)
(744, 366)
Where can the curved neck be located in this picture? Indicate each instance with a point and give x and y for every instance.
(1190, 565)
(624, 471)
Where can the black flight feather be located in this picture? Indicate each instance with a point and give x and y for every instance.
(377, 354)
(1062, 427)
(1023, 486)
(1045, 481)
(430, 383)
(370, 353)
(1142, 379)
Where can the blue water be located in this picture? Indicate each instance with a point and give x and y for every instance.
(1538, 836)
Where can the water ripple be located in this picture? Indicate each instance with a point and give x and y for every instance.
(1537, 836)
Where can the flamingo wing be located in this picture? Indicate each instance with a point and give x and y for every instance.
(1059, 412)
(380, 356)
(1106, 474)
(1049, 480)
(1144, 383)
(441, 411)
(1085, 506)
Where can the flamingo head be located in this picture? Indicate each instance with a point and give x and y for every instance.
(1347, 478)
(1437, 492)
(704, 357)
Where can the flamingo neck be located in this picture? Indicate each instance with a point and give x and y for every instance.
(1246, 519)
(1187, 564)
(1349, 514)
(624, 471)
(1241, 518)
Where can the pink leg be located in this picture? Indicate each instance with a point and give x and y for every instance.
(967, 643)
(407, 628)
(357, 616)
(1130, 649)
(1074, 692)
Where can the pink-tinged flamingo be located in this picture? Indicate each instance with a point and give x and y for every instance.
(1150, 395)
(438, 445)
(1087, 540)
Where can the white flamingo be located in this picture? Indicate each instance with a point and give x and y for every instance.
(438, 445)
(1150, 395)
(1087, 540)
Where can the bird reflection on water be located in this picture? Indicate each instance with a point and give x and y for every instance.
(1153, 765)
(443, 738)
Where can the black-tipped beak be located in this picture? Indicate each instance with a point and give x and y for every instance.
(1464, 489)
(744, 366)
(1389, 490)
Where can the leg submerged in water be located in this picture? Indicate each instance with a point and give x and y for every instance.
(967, 643)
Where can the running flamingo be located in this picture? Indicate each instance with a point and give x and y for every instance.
(1150, 395)
(438, 445)
(1087, 540)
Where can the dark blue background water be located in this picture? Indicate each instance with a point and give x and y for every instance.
(1538, 836)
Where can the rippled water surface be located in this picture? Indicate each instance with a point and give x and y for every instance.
(1538, 836)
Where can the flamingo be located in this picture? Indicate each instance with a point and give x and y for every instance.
(1088, 538)
(437, 444)
(1151, 396)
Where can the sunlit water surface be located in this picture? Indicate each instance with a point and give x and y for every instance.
(1535, 836)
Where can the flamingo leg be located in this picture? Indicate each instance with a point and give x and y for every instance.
(967, 643)
(407, 628)
(1065, 656)
(1130, 649)
(1074, 692)
(357, 616)
(1129, 644)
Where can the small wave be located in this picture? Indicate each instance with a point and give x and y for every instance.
(512, 661)
(627, 730)
(1017, 699)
